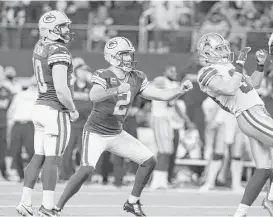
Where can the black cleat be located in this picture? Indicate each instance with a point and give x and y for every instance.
(134, 208)
(43, 212)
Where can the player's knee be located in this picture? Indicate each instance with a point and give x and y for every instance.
(151, 162)
(216, 156)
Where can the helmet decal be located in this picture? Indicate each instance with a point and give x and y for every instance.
(112, 44)
(49, 19)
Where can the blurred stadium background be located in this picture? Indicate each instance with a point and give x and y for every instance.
(164, 34)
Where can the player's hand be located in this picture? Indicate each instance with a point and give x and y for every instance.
(74, 115)
(261, 56)
(186, 86)
(123, 88)
(243, 55)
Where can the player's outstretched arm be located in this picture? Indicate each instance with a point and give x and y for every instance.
(219, 86)
(154, 93)
(98, 93)
(59, 75)
(258, 74)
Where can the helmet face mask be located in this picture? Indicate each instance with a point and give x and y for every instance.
(119, 52)
(64, 31)
(214, 49)
(55, 26)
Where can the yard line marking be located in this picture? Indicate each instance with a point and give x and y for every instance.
(148, 206)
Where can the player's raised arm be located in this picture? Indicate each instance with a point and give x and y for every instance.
(152, 92)
(59, 74)
(258, 74)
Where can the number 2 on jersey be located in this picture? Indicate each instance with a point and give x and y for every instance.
(38, 70)
(120, 108)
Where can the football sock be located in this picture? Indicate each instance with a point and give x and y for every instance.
(74, 184)
(133, 199)
(270, 193)
(49, 180)
(241, 210)
(142, 176)
(255, 185)
(26, 196)
(50, 173)
(236, 172)
(48, 199)
(214, 167)
(33, 170)
(163, 162)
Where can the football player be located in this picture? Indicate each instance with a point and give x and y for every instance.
(114, 89)
(236, 93)
(54, 109)
(163, 132)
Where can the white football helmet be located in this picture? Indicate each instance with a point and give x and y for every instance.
(116, 49)
(212, 48)
(50, 26)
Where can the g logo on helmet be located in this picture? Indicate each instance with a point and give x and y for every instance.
(112, 44)
(49, 18)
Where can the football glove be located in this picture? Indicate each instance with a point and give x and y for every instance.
(186, 86)
(241, 59)
(261, 56)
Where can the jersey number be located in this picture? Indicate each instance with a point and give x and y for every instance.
(120, 108)
(38, 70)
(245, 86)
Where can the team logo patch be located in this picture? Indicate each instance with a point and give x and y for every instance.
(49, 19)
(112, 44)
(113, 81)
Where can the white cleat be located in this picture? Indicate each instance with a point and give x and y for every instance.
(24, 210)
(206, 187)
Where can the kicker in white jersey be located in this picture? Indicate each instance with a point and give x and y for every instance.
(245, 98)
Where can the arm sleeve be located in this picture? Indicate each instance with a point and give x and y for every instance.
(59, 55)
(206, 75)
(97, 78)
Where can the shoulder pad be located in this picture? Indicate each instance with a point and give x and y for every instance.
(205, 74)
(57, 48)
(99, 72)
(139, 74)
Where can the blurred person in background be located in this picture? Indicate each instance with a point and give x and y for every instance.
(225, 135)
(5, 101)
(11, 77)
(98, 31)
(194, 100)
(179, 123)
(22, 134)
(84, 106)
(163, 131)
(13, 19)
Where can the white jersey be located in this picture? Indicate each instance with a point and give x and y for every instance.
(245, 97)
(161, 108)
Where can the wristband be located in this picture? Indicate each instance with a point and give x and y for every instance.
(259, 68)
(239, 66)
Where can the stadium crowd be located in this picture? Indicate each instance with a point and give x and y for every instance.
(197, 128)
